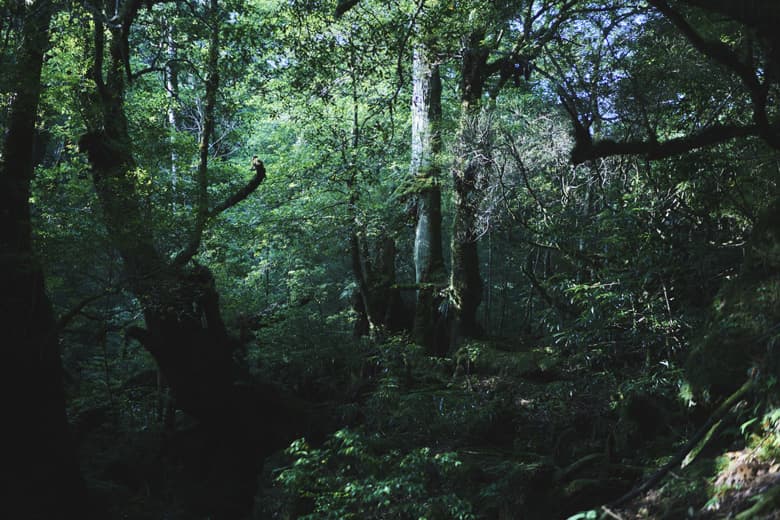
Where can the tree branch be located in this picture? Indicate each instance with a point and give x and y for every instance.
(585, 149)
(67, 317)
(202, 213)
(344, 6)
(762, 15)
(238, 196)
(721, 53)
(188, 252)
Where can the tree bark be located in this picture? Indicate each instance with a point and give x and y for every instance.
(184, 330)
(467, 173)
(377, 302)
(41, 474)
(425, 168)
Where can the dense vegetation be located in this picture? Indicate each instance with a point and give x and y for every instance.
(501, 259)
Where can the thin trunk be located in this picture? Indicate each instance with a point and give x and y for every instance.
(368, 322)
(376, 301)
(172, 89)
(212, 87)
(42, 477)
(426, 169)
(489, 285)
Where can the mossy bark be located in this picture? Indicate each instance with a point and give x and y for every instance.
(183, 328)
(468, 175)
(425, 169)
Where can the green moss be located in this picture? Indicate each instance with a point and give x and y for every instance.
(742, 330)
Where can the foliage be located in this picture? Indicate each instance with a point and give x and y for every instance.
(622, 298)
(346, 478)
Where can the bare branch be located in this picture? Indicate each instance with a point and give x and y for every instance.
(67, 317)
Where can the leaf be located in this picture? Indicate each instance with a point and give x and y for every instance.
(745, 425)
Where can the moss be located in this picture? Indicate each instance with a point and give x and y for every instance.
(741, 331)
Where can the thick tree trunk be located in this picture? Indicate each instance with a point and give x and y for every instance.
(184, 330)
(41, 474)
(425, 168)
(468, 171)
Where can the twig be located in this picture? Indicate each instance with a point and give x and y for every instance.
(611, 513)
(68, 316)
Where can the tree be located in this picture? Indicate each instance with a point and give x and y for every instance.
(43, 479)
(743, 48)
(183, 326)
(502, 45)
(425, 168)
(344, 90)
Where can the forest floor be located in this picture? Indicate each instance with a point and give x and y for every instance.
(534, 435)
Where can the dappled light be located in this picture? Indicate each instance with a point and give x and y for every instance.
(418, 259)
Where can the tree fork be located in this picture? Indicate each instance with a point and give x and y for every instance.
(184, 330)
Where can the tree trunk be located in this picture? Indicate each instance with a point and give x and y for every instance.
(184, 330)
(467, 173)
(172, 92)
(42, 477)
(377, 302)
(425, 169)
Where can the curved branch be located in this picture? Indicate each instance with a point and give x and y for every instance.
(188, 252)
(202, 213)
(762, 15)
(238, 196)
(585, 149)
(68, 316)
(722, 54)
(719, 52)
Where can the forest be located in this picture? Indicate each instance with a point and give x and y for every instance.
(390, 259)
